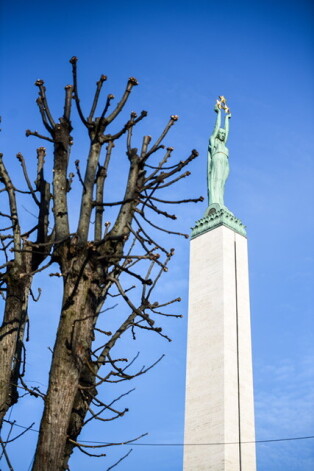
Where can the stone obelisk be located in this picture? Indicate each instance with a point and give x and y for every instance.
(219, 410)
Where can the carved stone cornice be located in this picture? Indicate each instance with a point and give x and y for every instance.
(216, 216)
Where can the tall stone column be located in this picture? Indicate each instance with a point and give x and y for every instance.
(219, 417)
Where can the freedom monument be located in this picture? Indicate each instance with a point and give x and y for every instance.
(219, 406)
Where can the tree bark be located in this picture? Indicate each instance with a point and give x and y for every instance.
(12, 333)
(71, 353)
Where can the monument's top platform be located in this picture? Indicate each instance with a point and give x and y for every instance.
(216, 216)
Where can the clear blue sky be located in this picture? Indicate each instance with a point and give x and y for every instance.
(260, 56)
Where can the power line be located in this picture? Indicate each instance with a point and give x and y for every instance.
(211, 444)
(187, 444)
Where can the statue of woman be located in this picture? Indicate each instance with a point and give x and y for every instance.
(218, 158)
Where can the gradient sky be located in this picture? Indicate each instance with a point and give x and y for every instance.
(184, 54)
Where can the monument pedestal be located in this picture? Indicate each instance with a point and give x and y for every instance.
(219, 417)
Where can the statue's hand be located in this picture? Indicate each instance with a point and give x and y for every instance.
(216, 108)
(229, 115)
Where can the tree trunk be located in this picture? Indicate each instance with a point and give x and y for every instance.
(71, 354)
(121, 228)
(11, 336)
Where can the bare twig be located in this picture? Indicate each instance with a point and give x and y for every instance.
(33, 297)
(119, 461)
(78, 171)
(172, 120)
(6, 455)
(83, 445)
(26, 429)
(160, 228)
(190, 200)
(31, 189)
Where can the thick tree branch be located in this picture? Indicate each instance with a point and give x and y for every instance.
(131, 83)
(43, 98)
(100, 183)
(31, 189)
(99, 84)
(73, 61)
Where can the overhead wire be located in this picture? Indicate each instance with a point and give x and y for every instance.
(213, 443)
(271, 440)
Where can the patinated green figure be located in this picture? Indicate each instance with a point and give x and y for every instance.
(217, 214)
(218, 156)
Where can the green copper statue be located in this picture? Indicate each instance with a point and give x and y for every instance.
(218, 156)
(216, 213)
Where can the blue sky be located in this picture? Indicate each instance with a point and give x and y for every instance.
(184, 54)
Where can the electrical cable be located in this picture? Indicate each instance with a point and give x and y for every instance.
(190, 444)
(210, 444)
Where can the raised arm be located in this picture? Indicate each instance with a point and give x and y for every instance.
(213, 136)
(228, 116)
(218, 123)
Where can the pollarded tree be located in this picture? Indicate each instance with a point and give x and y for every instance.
(96, 261)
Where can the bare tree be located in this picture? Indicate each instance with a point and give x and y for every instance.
(98, 260)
